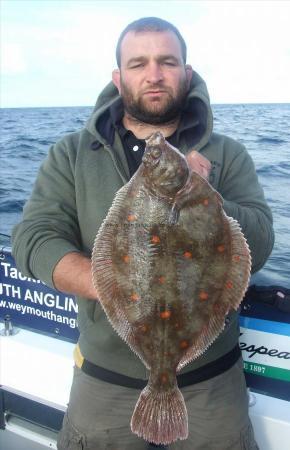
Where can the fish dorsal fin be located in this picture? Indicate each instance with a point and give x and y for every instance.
(114, 257)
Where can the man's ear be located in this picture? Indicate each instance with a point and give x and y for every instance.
(188, 72)
(116, 78)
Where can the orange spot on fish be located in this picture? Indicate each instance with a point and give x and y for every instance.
(187, 255)
(126, 258)
(205, 202)
(155, 239)
(203, 295)
(144, 328)
(184, 344)
(164, 378)
(229, 284)
(131, 217)
(220, 248)
(161, 280)
(165, 314)
(134, 297)
(236, 258)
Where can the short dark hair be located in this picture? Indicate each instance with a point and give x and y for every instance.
(150, 24)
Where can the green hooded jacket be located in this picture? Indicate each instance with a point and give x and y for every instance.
(75, 188)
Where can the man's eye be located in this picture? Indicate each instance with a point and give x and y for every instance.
(136, 66)
(169, 63)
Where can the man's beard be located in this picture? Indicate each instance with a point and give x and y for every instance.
(152, 112)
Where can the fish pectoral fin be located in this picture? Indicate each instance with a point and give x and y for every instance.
(174, 214)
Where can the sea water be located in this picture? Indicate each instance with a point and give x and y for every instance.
(27, 133)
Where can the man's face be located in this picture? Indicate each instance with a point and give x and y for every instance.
(153, 80)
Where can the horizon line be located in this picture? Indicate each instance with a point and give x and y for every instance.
(92, 106)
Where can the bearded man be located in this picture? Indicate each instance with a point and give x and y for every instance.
(153, 89)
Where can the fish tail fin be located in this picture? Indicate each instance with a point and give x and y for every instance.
(160, 417)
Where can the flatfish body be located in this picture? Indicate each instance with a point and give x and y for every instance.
(168, 265)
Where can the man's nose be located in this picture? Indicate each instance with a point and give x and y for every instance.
(154, 73)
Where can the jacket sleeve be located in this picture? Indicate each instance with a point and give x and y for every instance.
(49, 228)
(244, 200)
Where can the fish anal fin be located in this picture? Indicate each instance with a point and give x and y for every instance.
(240, 269)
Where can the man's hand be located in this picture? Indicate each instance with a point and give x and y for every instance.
(198, 163)
(73, 275)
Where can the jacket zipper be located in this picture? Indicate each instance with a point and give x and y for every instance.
(119, 168)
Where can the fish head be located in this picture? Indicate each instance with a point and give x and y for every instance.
(165, 167)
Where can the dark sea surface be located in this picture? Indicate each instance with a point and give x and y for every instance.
(27, 133)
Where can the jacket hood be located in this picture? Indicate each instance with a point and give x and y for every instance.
(197, 108)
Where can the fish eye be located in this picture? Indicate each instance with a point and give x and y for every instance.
(155, 152)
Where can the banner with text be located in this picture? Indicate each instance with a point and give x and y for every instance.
(265, 346)
(33, 305)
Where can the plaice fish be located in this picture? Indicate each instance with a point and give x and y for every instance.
(168, 265)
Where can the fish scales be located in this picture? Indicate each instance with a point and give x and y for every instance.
(168, 265)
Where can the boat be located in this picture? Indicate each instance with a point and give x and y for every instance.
(38, 331)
